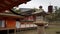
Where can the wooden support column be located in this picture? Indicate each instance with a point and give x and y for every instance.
(14, 31)
(8, 31)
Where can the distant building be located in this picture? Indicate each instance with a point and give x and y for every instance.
(26, 11)
(50, 9)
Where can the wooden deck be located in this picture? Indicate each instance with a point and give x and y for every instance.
(6, 28)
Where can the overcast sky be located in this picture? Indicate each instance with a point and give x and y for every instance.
(37, 3)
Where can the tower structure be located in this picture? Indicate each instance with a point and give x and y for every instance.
(50, 9)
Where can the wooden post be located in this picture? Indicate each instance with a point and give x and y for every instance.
(15, 31)
(7, 31)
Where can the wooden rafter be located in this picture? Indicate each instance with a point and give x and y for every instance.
(8, 4)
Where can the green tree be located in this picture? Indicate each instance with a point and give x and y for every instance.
(54, 16)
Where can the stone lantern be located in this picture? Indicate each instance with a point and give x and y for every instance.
(40, 22)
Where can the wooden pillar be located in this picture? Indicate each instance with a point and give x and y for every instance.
(8, 31)
(14, 31)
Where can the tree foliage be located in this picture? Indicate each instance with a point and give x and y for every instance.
(54, 16)
(16, 10)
